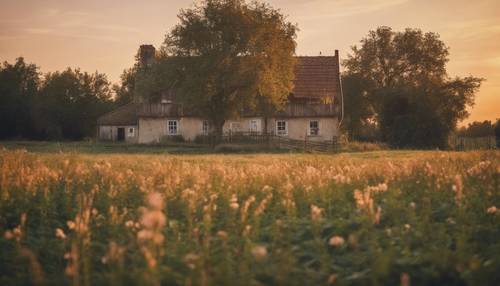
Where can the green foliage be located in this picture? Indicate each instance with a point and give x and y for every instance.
(125, 91)
(225, 55)
(19, 83)
(403, 75)
(357, 103)
(64, 105)
(436, 224)
(477, 129)
(497, 132)
(70, 102)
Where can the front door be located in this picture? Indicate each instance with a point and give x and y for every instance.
(121, 134)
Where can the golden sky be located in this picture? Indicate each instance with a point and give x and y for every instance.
(104, 35)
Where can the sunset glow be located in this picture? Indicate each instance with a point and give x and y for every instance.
(105, 35)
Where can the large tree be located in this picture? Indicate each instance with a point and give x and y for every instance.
(19, 84)
(124, 92)
(403, 75)
(70, 102)
(227, 56)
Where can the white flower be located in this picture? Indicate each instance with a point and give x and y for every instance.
(60, 233)
(259, 252)
(336, 241)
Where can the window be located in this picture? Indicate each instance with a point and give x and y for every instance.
(254, 126)
(205, 127)
(172, 127)
(313, 128)
(281, 128)
(131, 132)
(235, 126)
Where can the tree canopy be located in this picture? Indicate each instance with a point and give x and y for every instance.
(226, 56)
(401, 79)
(70, 102)
(19, 84)
(59, 105)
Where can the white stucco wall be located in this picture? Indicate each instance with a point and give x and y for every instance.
(153, 130)
(298, 128)
(110, 133)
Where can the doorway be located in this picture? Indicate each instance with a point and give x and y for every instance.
(121, 134)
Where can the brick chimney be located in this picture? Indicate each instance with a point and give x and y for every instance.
(147, 55)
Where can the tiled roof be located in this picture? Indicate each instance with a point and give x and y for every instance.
(316, 77)
(124, 115)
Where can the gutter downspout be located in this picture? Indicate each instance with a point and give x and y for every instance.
(342, 100)
(341, 91)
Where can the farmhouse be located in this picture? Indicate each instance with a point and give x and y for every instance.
(314, 111)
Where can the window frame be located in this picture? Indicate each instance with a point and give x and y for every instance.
(232, 127)
(283, 132)
(129, 133)
(256, 122)
(205, 127)
(317, 129)
(169, 133)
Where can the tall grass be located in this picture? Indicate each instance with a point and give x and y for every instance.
(388, 218)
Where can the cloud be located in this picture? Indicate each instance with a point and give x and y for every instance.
(39, 31)
(472, 29)
(343, 8)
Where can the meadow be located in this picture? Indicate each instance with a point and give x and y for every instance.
(369, 218)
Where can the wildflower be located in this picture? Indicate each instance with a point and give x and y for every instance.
(153, 219)
(405, 279)
(316, 213)
(150, 236)
(492, 210)
(222, 234)
(332, 278)
(8, 235)
(155, 201)
(60, 233)
(388, 231)
(458, 187)
(114, 254)
(71, 224)
(267, 188)
(247, 230)
(190, 259)
(233, 202)
(336, 241)
(378, 214)
(259, 252)
(129, 224)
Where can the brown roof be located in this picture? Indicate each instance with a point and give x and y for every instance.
(316, 77)
(124, 115)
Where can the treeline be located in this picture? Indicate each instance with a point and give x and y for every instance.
(62, 105)
(478, 129)
(397, 90)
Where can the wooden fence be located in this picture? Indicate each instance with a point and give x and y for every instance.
(473, 143)
(274, 141)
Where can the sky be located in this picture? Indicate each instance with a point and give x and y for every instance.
(104, 35)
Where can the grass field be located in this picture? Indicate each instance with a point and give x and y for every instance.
(376, 218)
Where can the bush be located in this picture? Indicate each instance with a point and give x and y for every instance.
(357, 146)
(172, 139)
